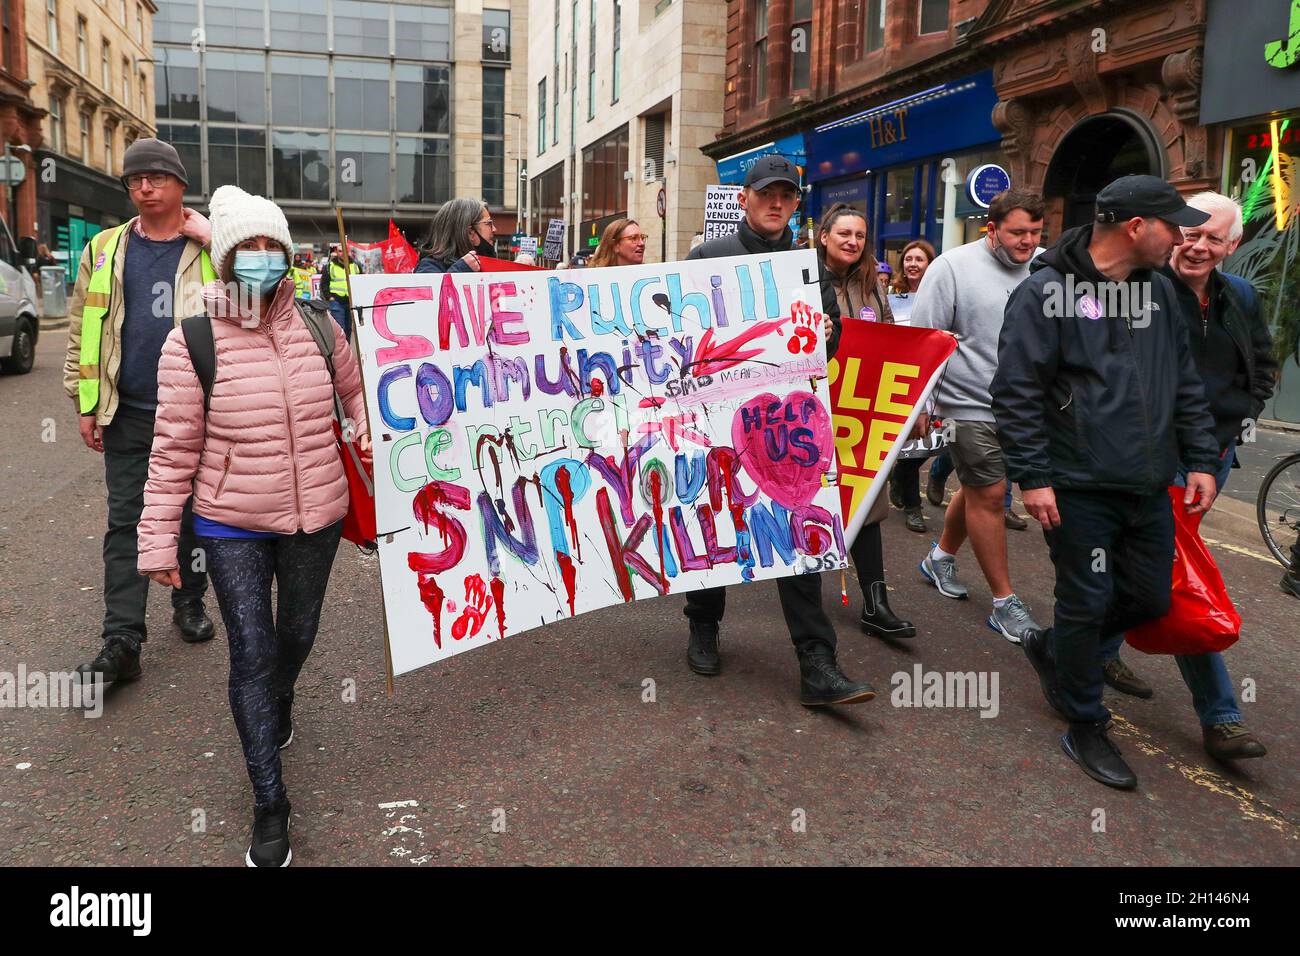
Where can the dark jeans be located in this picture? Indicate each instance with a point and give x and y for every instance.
(267, 650)
(907, 479)
(1114, 556)
(342, 315)
(127, 442)
(868, 555)
(801, 602)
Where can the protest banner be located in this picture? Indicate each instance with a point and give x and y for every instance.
(880, 378)
(528, 244)
(554, 249)
(550, 443)
(722, 211)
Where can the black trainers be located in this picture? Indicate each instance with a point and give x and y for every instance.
(1116, 674)
(194, 623)
(822, 682)
(116, 664)
(1034, 644)
(1089, 747)
(877, 618)
(270, 843)
(702, 651)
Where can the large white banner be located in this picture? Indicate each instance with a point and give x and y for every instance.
(549, 443)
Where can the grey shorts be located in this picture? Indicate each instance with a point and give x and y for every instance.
(977, 454)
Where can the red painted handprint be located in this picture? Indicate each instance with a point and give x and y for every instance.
(477, 604)
(805, 325)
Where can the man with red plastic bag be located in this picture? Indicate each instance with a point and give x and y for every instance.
(1097, 400)
(1233, 351)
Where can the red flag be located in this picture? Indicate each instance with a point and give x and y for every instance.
(879, 379)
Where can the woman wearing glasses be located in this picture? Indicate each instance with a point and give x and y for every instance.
(622, 244)
(461, 232)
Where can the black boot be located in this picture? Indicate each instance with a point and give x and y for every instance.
(116, 664)
(702, 651)
(1034, 644)
(822, 682)
(194, 623)
(878, 619)
(1089, 747)
(270, 843)
(1290, 583)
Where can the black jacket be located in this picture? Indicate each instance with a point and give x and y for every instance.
(1234, 306)
(1109, 403)
(746, 242)
(428, 263)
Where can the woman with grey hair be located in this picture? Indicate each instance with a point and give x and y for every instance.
(461, 232)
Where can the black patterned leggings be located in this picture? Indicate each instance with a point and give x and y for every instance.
(267, 649)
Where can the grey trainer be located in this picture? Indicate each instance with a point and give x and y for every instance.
(943, 575)
(1012, 620)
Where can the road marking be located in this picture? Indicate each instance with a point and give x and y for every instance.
(1251, 807)
(1237, 549)
(398, 803)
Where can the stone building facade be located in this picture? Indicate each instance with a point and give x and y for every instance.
(20, 118)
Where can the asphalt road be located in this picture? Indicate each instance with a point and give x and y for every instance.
(544, 750)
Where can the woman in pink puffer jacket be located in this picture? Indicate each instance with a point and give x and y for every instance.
(268, 483)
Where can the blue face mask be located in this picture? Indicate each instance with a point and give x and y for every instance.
(258, 271)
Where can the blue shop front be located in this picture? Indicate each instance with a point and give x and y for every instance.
(905, 165)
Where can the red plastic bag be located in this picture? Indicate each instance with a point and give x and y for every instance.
(359, 522)
(1201, 617)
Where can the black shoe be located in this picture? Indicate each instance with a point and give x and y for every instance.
(1089, 747)
(1290, 584)
(895, 494)
(822, 682)
(934, 491)
(1034, 643)
(270, 843)
(702, 651)
(116, 664)
(914, 518)
(194, 623)
(878, 620)
(1117, 675)
(286, 725)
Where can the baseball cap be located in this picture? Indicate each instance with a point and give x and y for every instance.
(1149, 197)
(772, 169)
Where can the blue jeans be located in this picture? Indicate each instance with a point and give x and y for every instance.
(341, 315)
(1206, 675)
(941, 468)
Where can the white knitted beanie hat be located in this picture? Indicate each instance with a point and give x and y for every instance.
(236, 215)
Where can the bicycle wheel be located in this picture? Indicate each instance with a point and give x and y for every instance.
(1278, 508)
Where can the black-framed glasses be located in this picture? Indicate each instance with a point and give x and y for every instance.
(156, 180)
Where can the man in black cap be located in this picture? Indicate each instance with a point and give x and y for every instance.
(135, 282)
(1097, 400)
(769, 198)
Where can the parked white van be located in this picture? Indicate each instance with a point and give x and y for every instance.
(19, 322)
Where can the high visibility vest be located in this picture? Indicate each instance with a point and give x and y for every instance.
(339, 279)
(99, 292)
(302, 283)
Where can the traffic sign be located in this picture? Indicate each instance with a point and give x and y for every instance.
(661, 204)
(12, 170)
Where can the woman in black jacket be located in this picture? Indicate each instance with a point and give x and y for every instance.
(461, 232)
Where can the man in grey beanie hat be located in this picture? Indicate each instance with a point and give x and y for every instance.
(134, 283)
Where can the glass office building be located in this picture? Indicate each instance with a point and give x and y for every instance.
(317, 103)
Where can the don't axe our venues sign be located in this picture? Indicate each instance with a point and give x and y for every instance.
(550, 443)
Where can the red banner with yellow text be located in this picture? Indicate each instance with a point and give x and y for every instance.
(880, 379)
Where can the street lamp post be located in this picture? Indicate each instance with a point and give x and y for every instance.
(519, 177)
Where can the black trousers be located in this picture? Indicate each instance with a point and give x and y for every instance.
(269, 643)
(801, 603)
(906, 477)
(868, 553)
(1114, 557)
(127, 442)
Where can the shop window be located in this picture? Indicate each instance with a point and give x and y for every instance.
(900, 194)
(759, 60)
(934, 16)
(873, 25)
(801, 46)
